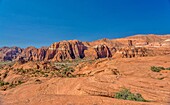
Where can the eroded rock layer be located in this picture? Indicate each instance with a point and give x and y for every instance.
(134, 46)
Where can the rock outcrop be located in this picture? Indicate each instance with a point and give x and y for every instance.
(59, 51)
(98, 51)
(102, 51)
(33, 54)
(65, 50)
(131, 52)
(9, 53)
(134, 46)
(166, 43)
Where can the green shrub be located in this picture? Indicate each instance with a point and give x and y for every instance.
(158, 69)
(66, 72)
(161, 68)
(12, 85)
(155, 69)
(20, 82)
(125, 94)
(5, 75)
(46, 75)
(168, 68)
(2, 83)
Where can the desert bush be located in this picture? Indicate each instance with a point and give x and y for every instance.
(157, 69)
(42, 72)
(161, 68)
(2, 83)
(46, 75)
(12, 85)
(66, 72)
(20, 82)
(5, 75)
(21, 71)
(168, 68)
(125, 94)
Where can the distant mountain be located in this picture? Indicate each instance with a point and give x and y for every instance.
(74, 49)
(9, 53)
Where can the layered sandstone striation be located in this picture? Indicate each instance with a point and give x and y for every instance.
(65, 50)
(98, 51)
(129, 47)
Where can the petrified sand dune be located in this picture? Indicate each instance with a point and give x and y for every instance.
(87, 73)
(103, 78)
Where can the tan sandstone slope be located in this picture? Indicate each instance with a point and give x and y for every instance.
(87, 73)
(102, 78)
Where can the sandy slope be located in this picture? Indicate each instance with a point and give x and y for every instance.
(134, 73)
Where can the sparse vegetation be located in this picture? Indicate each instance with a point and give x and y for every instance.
(125, 94)
(168, 68)
(66, 72)
(46, 75)
(6, 63)
(158, 69)
(5, 75)
(12, 85)
(161, 78)
(155, 69)
(2, 83)
(6, 85)
(57, 69)
(63, 71)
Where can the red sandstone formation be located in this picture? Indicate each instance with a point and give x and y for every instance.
(133, 46)
(33, 54)
(65, 50)
(9, 53)
(33, 80)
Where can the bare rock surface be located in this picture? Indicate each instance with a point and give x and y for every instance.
(86, 73)
(102, 79)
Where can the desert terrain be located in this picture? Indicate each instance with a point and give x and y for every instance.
(88, 73)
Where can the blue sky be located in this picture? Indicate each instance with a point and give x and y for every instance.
(41, 22)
